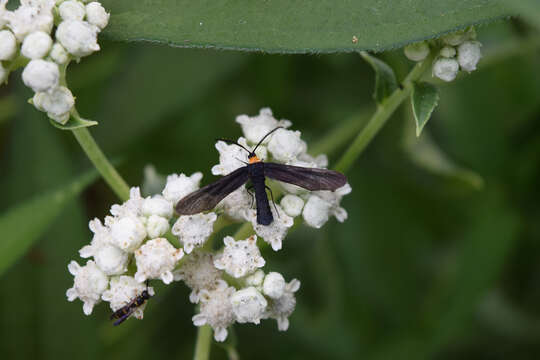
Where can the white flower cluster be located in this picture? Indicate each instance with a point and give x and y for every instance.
(28, 35)
(457, 51)
(136, 243)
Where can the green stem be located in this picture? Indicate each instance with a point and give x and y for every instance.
(204, 340)
(383, 113)
(96, 156)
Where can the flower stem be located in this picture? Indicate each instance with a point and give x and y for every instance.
(204, 340)
(381, 115)
(96, 156)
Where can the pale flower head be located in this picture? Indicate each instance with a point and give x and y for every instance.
(123, 289)
(292, 205)
(286, 145)
(256, 279)
(57, 103)
(181, 185)
(199, 273)
(157, 205)
(276, 231)
(445, 69)
(88, 284)
(96, 15)
(131, 207)
(8, 45)
(58, 54)
(41, 75)
(256, 127)
(274, 285)
(282, 307)
(417, 51)
(30, 16)
(72, 10)
(239, 258)
(156, 259)
(156, 226)
(127, 233)
(469, 54)
(248, 305)
(111, 260)
(194, 230)
(216, 310)
(79, 38)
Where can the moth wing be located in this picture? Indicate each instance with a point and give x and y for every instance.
(208, 197)
(312, 179)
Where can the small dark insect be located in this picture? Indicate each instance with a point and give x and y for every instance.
(256, 170)
(124, 312)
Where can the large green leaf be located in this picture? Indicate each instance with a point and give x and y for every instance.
(22, 225)
(302, 26)
(385, 79)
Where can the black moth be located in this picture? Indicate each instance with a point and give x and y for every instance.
(256, 170)
(124, 312)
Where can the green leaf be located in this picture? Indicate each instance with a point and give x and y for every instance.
(23, 224)
(424, 99)
(73, 123)
(385, 80)
(284, 26)
(425, 153)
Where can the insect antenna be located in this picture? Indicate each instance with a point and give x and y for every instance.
(233, 143)
(264, 137)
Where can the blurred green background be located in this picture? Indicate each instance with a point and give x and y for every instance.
(426, 266)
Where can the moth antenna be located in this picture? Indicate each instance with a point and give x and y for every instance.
(264, 137)
(233, 143)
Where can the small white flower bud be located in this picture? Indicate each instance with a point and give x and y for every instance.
(292, 205)
(316, 212)
(128, 233)
(30, 17)
(448, 52)
(417, 51)
(469, 54)
(96, 15)
(256, 279)
(111, 260)
(286, 145)
(79, 38)
(122, 290)
(181, 185)
(282, 307)
(199, 273)
(216, 310)
(256, 127)
(36, 45)
(59, 54)
(232, 156)
(239, 258)
(157, 205)
(71, 10)
(41, 75)
(156, 226)
(194, 230)
(446, 69)
(276, 231)
(56, 103)
(274, 285)
(156, 259)
(248, 305)
(88, 285)
(8, 45)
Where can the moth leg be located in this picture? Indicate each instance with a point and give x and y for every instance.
(272, 197)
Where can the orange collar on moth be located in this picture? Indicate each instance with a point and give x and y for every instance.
(254, 159)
